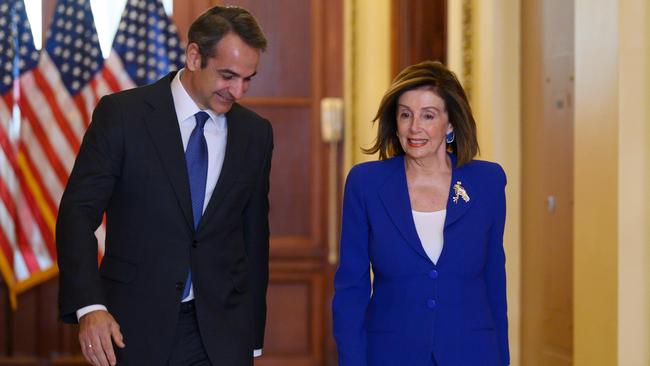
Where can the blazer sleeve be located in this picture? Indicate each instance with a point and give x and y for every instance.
(352, 279)
(495, 268)
(86, 196)
(256, 238)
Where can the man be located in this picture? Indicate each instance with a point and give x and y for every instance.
(182, 173)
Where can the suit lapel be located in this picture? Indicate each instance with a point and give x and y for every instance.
(457, 208)
(163, 128)
(394, 196)
(236, 145)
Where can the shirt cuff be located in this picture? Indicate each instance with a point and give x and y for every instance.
(257, 352)
(90, 308)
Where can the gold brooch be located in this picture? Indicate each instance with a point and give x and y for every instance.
(459, 191)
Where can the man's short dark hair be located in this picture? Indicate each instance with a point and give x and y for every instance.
(211, 26)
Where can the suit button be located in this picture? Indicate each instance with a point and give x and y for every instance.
(179, 286)
(195, 243)
(431, 303)
(433, 274)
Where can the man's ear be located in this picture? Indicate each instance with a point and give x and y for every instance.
(192, 57)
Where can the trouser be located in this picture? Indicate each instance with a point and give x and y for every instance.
(188, 349)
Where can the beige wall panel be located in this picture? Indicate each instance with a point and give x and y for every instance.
(495, 84)
(596, 183)
(634, 185)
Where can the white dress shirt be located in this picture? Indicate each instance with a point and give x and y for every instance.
(215, 132)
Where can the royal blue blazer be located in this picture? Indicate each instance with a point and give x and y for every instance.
(415, 310)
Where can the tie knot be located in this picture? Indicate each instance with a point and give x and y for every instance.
(201, 117)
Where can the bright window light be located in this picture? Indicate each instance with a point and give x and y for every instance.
(107, 16)
(34, 10)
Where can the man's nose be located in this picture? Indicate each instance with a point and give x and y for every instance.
(237, 89)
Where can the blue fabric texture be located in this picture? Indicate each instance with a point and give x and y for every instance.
(196, 158)
(415, 310)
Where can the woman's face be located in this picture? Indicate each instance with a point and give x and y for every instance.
(422, 123)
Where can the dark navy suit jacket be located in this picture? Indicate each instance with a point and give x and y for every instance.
(131, 165)
(455, 310)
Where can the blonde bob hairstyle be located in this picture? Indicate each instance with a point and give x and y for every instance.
(443, 83)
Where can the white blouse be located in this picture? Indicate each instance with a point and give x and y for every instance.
(429, 226)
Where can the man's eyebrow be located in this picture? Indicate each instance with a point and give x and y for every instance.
(233, 73)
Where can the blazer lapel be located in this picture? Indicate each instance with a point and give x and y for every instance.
(236, 145)
(394, 196)
(163, 128)
(457, 203)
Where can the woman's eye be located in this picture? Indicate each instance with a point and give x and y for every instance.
(429, 116)
(404, 115)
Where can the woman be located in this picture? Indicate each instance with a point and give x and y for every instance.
(429, 221)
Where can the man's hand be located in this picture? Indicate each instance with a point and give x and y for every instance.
(96, 329)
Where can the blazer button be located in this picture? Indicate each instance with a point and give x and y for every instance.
(179, 286)
(431, 303)
(195, 243)
(433, 274)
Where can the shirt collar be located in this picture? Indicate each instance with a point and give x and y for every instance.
(186, 107)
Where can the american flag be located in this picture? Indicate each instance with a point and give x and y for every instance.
(56, 93)
(147, 42)
(26, 242)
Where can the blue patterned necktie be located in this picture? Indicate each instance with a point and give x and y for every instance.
(196, 159)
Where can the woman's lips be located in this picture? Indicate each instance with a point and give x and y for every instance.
(417, 142)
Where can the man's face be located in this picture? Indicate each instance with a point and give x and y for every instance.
(226, 76)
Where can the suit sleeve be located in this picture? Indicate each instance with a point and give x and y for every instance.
(496, 271)
(352, 279)
(86, 196)
(256, 237)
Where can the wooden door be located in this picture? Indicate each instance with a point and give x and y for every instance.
(303, 63)
(547, 262)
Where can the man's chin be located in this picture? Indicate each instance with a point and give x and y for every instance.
(221, 107)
